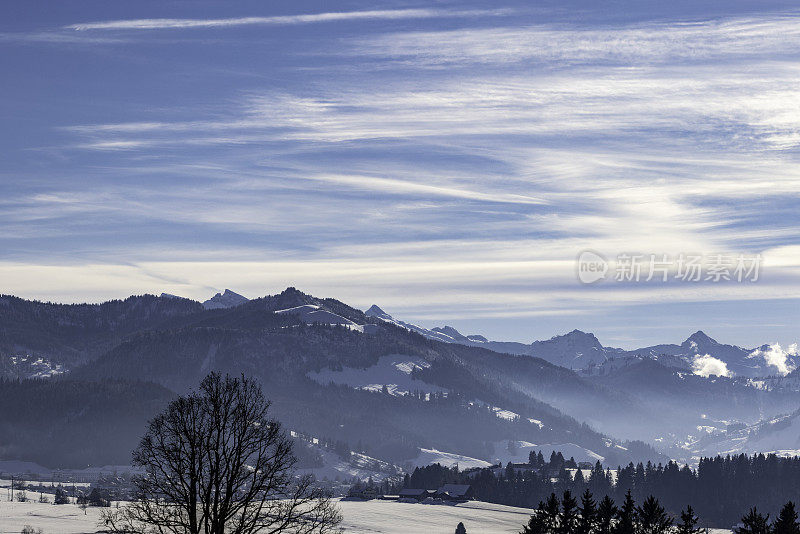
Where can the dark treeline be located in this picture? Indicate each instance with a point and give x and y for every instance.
(720, 489)
(585, 515)
(69, 423)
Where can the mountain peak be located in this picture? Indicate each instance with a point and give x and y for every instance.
(449, 331)
(226, 299)
(375, 311)
(701, 338)
(578, 336)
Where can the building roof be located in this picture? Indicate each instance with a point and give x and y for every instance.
(455, 490)
(412, 491)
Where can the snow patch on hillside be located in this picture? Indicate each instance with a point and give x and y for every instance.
(393, 371)
(311, 313)
(447, 459)
(518, 451)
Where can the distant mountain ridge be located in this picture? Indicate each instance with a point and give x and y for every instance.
(227, 299)
(474, 398)
(343, 375)
(582, 351)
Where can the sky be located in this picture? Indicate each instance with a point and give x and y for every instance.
(449, 162)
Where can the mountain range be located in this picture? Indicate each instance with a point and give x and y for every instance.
(373, 385)
(582, 351)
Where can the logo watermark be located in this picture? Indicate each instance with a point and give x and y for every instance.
(593, 267)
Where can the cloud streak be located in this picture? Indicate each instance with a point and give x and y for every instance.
(645, 43)
(315, 18)
(450, 172)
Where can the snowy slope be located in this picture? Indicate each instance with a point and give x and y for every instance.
(376, 312)
(518, 451)
(447, 459)
(228, 299)
(780, 435)
(393, 371)
(311, 313)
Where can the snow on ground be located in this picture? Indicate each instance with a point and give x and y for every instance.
(504, 452)
(392, 371)
(370, 517)
(389, 517)
(52, 519)
(780, 435)
(448, 459)
(518, 451)
(310, 313)
(334, 466)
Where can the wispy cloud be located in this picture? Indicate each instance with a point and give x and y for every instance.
(448, 173)
(384, 14)
(650, 43)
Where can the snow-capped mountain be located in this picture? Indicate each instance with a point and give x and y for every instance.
(779, 435)
(447, 334)
(341, 374)
(703, 355)
(582, 351)
(227, 299)
(574, 350)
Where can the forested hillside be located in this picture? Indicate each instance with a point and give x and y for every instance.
(173, 343)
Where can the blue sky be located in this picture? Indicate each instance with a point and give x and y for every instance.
(447, 161)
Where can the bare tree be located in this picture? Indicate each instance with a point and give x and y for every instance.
(215, 463)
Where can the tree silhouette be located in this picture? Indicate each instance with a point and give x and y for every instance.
(461, 529)
(606, 512)
(786, 522)
(753, 523)
(688, 524)
(653, 519)
(537, 524)
(568, 518)
(215, 463)
(587, 514)
(626, 516)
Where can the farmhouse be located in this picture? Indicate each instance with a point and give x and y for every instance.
(413, 493)
(455, 492)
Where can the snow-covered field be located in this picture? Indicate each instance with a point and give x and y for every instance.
(386, 517)
(390, 517)
(52, 519)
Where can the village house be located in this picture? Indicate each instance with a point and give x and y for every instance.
(413, 494)
(455, 492)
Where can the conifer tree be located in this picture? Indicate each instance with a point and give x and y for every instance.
(461, 529)
(688, 524)
(606, 511)
(653, 519)
(754, 523)
(587, 514)
(61, 496)
(568, 519)
(626, 516)
(537, 524)
(786, 522)
(551, 513)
